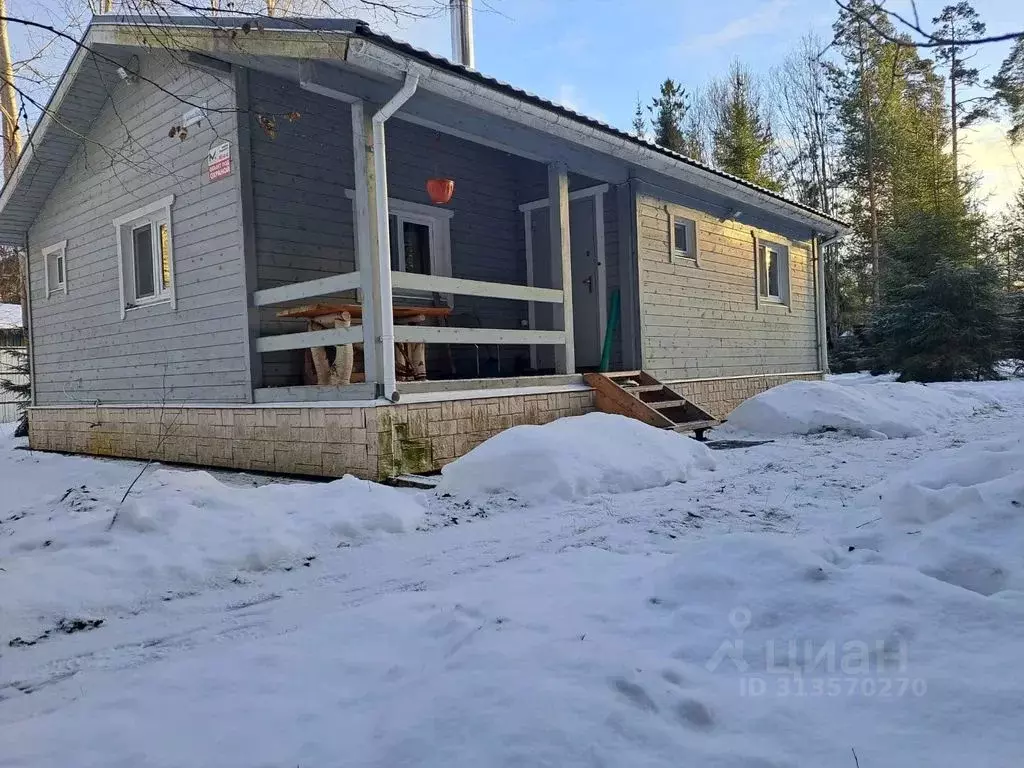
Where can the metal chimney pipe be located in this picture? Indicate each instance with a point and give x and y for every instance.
(462, 32)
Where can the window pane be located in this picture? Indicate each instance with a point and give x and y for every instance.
(142, 257)
(417, 247)
(165, 257)
(762, 270)
(393, 239)
(768, 268)
(682, 237)
(60, 270)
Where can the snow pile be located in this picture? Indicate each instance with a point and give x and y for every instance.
(575, 457)
(176, 533)
(956, 515)
(880, 409)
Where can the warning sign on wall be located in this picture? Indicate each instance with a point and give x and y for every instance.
(219, 161)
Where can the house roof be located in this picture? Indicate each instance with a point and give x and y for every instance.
(85, 84)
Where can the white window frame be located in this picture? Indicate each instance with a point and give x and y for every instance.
(782, 253)
(154, 214)
(60, 251)
(438, 220)
(677, 255)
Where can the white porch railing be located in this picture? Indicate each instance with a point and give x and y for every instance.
(409, 333)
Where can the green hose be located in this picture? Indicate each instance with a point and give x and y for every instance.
(609, 331)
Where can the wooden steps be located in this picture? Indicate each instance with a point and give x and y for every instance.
(640, 396)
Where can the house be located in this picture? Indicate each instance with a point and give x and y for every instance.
(195, 179)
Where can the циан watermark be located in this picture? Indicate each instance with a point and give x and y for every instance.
(797, 667)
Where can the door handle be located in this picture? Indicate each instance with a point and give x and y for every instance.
(589, 283)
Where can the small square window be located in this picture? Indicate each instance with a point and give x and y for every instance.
(683, 233)
(146, 255)
(55, 260)
(773, 272)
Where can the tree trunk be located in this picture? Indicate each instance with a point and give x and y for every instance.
(869, 155)
(953, 112)
(8, 102)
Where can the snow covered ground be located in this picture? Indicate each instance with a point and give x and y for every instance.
(855, 586)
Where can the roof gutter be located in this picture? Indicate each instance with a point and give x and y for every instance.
(389, 63)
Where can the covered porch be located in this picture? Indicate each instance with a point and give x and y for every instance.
(513, 283)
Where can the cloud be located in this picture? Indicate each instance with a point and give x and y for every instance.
(987, 152)
(765, 20)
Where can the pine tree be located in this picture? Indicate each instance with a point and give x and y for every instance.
(1011, 249)
(960, 22)
(639, 123)
(668, 115)
(1008, 87)
(942, 314)
(741, 137)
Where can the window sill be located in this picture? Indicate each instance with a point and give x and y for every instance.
(147, 303)
(684, 259)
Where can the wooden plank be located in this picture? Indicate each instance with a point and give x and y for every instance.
(561, 253)
(692, 426)
(611, 398)
(432, 335)
(663, 404)
(356, 311)
(462, 287)
(325, 285)
(309, 339)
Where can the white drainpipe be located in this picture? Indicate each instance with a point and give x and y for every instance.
(380, 163)
(819, 295)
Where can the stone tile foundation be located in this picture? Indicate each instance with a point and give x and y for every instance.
(373, 442)
(719, 396)
(370, 442)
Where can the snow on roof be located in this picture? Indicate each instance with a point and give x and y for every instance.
(10, 316)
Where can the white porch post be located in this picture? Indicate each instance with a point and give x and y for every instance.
(558, 207)
(378, 288)
(366, 237)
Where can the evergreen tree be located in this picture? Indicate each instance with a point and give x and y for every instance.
(1011, 248)
(741, 137)
(942, 315)
(668, 115)
(22, 391)
(639, 124)
(1008, 85)
(960, 22)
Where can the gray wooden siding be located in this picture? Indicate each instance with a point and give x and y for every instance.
(699, 322)
(84, 351)
(303, 219)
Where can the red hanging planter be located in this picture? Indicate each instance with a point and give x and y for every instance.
(440, 190)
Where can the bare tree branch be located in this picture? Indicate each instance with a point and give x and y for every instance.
(930, 39)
